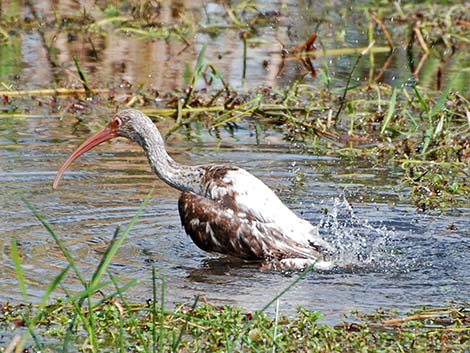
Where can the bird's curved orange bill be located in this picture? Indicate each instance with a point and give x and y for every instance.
(104, 135)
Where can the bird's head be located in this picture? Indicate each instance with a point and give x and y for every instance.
(129, 123)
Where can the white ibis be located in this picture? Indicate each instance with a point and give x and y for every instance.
(224, 209)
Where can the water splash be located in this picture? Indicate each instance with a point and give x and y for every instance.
(360, 246)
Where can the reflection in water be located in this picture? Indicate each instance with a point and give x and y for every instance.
(111, 58)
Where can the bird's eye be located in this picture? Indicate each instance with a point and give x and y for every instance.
(117, 121)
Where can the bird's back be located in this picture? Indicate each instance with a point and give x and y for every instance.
(249, 197)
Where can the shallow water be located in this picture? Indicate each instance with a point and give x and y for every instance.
(391, 256)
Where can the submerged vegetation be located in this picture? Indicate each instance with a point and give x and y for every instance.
(419, 126)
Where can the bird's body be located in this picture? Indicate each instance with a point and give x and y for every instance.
(224, 209)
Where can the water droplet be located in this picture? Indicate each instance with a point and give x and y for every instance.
(359, 244)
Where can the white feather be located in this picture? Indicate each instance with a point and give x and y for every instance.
(254, 197)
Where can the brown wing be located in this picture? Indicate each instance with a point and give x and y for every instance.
(216, 227)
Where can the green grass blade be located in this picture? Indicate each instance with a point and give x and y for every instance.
(50, 288)
(247, 325)
(116, 243)
(121, 334)
(216, 74)
(346, 88)
(187, 75)
(91, 324)
(410, 117)
(112, 249)
(57, 240)
(90, 290)
(162, 316)
(31, 323)
(135, 322)
(22, 283)
(391, 110)
(71, 262)
(82, 75)
(111, 295)
(154, 310)
(78, 314)
(198, 68)
(276, 321)
(440, 103)
(183, 328)
(53, 285)
(69, 332)
(421, 100)
(427, 138)
(107, 255)
(439, 127)
(19, 271)
(288, 288)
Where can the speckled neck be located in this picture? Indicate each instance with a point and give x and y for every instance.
(181, 177)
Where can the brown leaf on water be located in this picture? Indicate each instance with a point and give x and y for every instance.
(18, 323)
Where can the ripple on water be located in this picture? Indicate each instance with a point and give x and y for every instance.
(388, 255)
